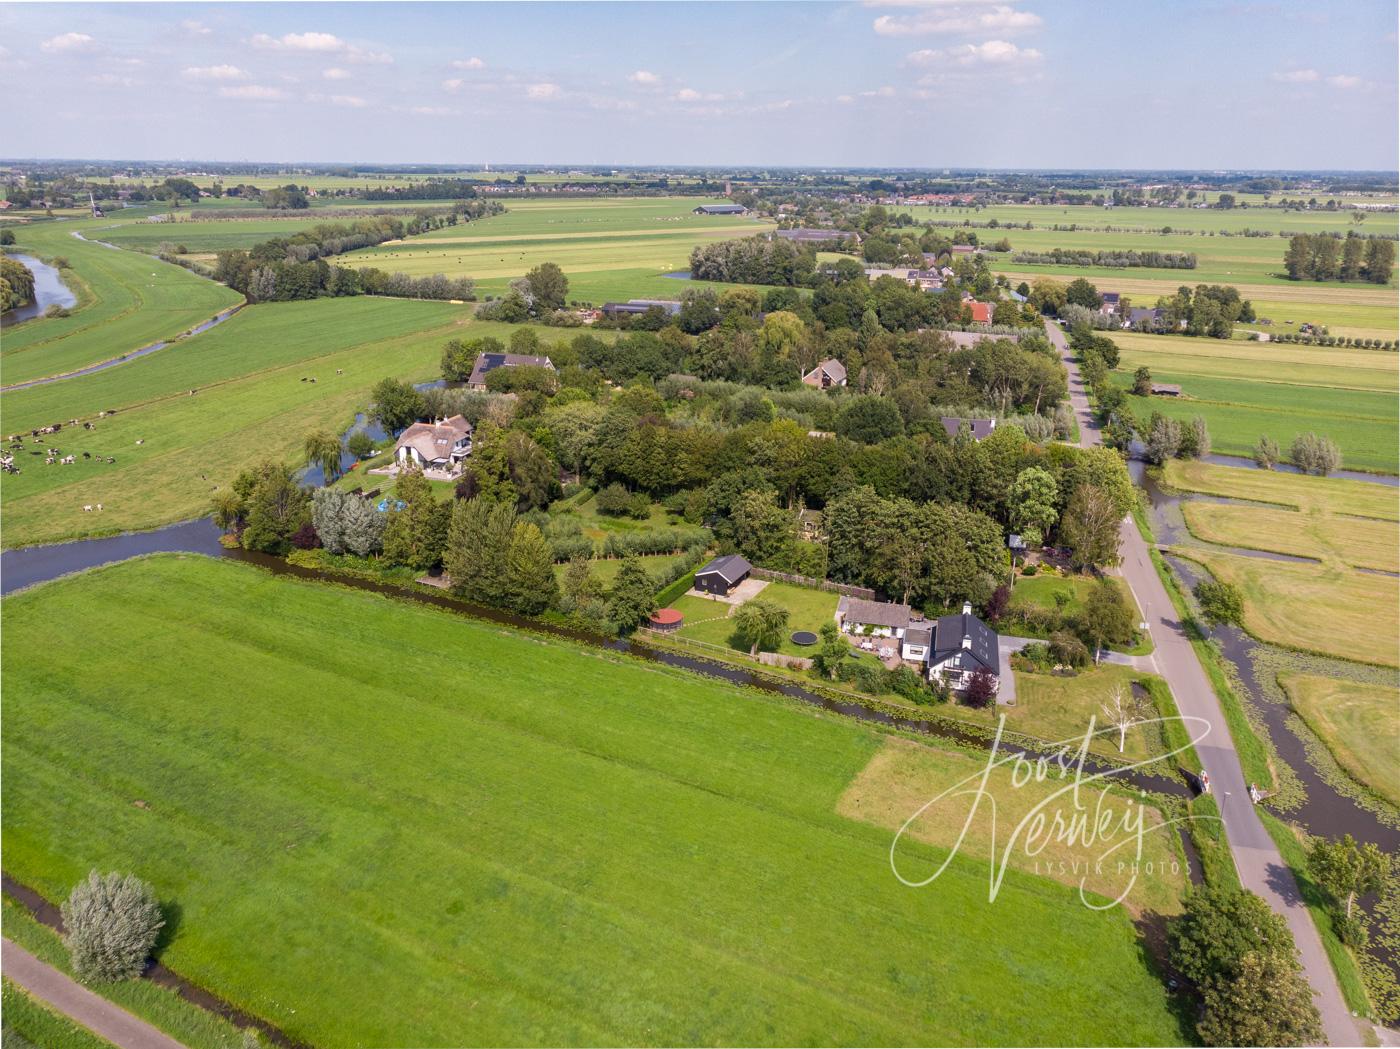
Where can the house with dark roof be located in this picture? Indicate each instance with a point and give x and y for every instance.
(1109, 302)
(438, 445)
(721, 209)
(722, 575)
(981, 428)
(1142, 317)
(826, 375)
(962, 646)
(917, 642)
(489, 362)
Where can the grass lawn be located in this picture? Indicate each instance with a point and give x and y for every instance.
(1038, 591)
(1324, 608)
(1359, 723)
(504, 839)
(251, 404)
(128, 301)
(807, 610)
(903, 776)
(1328, 494)
(1346, 540)
(1059, 708)
(30, 1022)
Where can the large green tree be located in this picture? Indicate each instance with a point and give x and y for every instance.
(760, 624)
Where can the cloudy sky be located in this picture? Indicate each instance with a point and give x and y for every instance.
(1034, 84)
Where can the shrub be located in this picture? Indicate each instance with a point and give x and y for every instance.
(112, 924)
(614, 500)
(1029, 570)
(981, 689)
(1068, 649)
(360, 444)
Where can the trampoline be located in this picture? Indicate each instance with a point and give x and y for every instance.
(803, 637)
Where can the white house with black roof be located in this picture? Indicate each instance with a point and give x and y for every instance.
(962, 646)
(722, 575)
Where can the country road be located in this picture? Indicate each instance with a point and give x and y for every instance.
(1260, 865)
(79, 1004)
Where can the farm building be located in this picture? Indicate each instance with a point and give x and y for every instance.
(966, 339)
(981, 312)
(722, 575)
(815, 236)
(721, 209)
(1165, 389)
(827, 374)
(435, 446)
(635, 307)
(489, 362)
(963, 645)
(981, 428)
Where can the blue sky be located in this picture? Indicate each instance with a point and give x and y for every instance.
(939, 83)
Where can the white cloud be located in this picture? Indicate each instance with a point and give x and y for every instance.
(318, 43)
(1298, 76)
(992, 52)
(644, 76)
(336, 73)
(431, 111)
(452, 85)
(224, 72)
(111, 80)
(195, 27)
(879, 92)
(469, 63)
(845, 99)
(68, 43)
(349, 101)
(542, 92)
(1344, 81)
(957, 18)
(688, 94)
(253, 92)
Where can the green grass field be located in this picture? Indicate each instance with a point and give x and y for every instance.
(250, 404)
(1360, 725)
(1335, 495)
(504, 839)
(609, 248)
(126, 301)
(1365, 423)
(1325, 608)
(1038, 591)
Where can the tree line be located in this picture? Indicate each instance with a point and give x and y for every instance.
(1171, 260)
(1353, 258)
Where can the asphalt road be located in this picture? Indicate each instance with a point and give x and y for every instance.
(1260, 865)
(75, 1001)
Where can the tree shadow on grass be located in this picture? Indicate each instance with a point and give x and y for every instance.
(1155, 953)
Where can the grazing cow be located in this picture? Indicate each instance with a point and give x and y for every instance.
(99, 506)
(87, 509)
(141, 440)
(87, 455)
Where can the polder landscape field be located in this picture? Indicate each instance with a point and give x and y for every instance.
(503, 836)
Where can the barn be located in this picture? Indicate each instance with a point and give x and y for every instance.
(721, 209)
(722, 575)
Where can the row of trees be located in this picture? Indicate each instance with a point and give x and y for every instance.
(1309, 452)
(1326, 256)
(1169, 260)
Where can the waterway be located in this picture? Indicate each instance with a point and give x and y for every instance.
(49, 290)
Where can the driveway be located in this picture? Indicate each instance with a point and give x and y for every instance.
(75, 1001)
(1260, 866)
(749, 588)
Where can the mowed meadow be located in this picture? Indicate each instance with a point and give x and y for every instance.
(125, 301)
(503, 839)
(610, 248)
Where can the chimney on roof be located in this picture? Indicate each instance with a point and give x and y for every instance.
(967, 608)
(967, 641)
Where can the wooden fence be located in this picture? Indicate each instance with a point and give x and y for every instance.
(818, 584)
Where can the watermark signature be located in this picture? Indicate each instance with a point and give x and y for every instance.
(1107, 826)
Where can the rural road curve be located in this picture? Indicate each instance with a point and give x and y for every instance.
(79, 1004)
(1260, 865)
